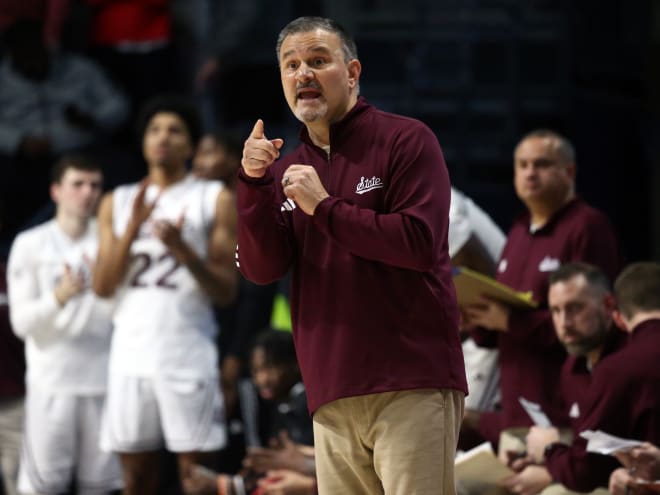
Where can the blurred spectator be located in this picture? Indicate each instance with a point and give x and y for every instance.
(218, 157)
(12, 386)
(276, 375)
(50, 103)
(52, 12)
(558, 227)
(287, 427)
(239, 52)
(67, 331)
(204, 29)
(132, 39)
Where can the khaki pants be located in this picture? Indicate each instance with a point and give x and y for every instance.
(393, 443)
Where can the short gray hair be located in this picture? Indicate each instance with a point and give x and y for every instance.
(310, 23)
(563, 146)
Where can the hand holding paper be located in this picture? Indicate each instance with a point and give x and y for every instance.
(600, 442)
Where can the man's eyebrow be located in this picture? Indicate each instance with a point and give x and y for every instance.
(314, 49)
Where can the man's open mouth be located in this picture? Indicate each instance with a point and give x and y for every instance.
(308, 94)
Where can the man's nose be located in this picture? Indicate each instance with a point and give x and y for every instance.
(304, 72)
(528, 170)
(560, 320)
(92, 189)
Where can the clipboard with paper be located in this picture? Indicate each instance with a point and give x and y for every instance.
(480, 471)
(471, 285)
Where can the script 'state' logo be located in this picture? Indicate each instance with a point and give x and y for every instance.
(366, 185)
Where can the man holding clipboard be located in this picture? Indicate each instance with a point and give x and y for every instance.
(558, 227)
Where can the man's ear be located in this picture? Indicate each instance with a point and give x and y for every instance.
(619, 320)
(571, 170)
(609, 301)
(55, 192)
(354, 71)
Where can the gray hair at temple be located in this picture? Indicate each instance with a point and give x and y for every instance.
(307, 24)
(598, 282)
(562, 145)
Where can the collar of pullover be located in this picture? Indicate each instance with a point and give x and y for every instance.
(339, 130)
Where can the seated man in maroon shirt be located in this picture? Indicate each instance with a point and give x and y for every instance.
(623, 398)
(558, 227)
(581, 303)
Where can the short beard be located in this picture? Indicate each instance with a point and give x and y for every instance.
(588, 344)
(309, 115)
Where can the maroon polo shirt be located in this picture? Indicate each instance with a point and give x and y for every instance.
(530, 355)
(576, 378)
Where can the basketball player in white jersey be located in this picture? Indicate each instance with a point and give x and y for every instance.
(167, 247)
(67, 331)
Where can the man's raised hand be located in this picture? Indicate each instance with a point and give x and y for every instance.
(259, 153)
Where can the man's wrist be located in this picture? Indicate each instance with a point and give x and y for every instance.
(547, 451)
(252, 175)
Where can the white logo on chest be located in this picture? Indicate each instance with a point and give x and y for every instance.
(502, 266)
(366, 185)
(549, 264)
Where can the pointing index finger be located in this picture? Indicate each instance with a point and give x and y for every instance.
(258, 130)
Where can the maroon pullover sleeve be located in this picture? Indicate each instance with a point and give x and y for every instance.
(413, 227)
(264, 251)
(578, 470)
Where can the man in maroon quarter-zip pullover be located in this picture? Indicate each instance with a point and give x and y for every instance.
(359, 213)
(557, 228)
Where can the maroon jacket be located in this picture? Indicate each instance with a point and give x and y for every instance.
(530, 354)
(623, 400)
(372, 298)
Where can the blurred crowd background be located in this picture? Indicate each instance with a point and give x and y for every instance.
(480, 73)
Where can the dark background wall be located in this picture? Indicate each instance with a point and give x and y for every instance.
(483, 72)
